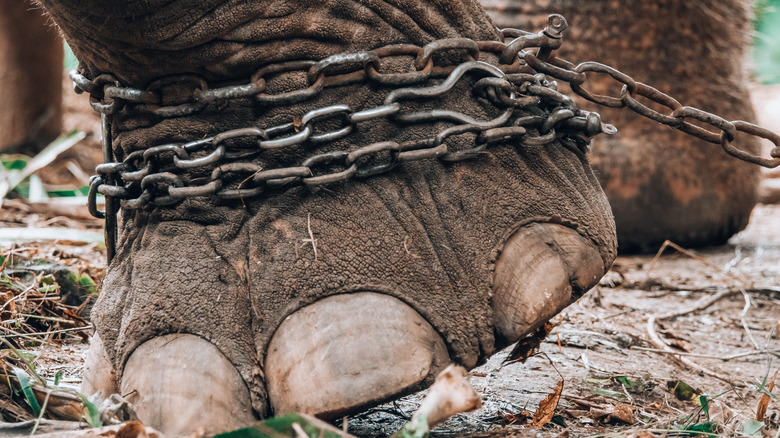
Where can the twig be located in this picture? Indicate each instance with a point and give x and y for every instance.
(742, 318)
(19, 335)
(299, 433)
(406, 248)
(311, 238)
(48, 318)
(20, 296)
(583, 401)
(726, 271)
(658, 342)
(669, 243)
(643, 285)
(702, 304)
(16, 334)
(705, 356)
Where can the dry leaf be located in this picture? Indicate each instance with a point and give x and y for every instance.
(450, 394)
(764, 402)
(682, 390)
(621, 413)
(516, 419)
(529, 345)
(547, 407)
(297, 123)
(576, 413)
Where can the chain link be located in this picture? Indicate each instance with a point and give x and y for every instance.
(159, 175)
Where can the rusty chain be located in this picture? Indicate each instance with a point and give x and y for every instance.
(157, 176)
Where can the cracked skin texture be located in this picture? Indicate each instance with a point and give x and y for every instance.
(662, 184)
(427, 233)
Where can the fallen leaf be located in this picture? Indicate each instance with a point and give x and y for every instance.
(516, 418)
(529, 345)
(575, 413)
(633, 386)
(752, 427)
(709, 427)
(621, 413)
(131, 429)
(546, 410)
(559, 420)
(705, 405)
(764, 402)
(297, 123)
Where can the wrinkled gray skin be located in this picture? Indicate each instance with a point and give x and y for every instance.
(663, 184)
(428, 233)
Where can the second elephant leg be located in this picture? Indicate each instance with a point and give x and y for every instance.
(661, 183)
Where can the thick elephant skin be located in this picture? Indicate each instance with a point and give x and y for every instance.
(428, 234)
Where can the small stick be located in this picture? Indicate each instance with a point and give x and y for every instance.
(48, 318)
(669, 243)
(742, 318)
(16, 334)
(705, 356)
(655, 339)
(311, 238)
(299, 433)
(19, 335)
(702, 304)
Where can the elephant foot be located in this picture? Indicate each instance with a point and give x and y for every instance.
(176, 383)
(350, 351)
(667, 186)
(345, 352)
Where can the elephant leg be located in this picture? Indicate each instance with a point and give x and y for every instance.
(31, 58)
(661, 183)
(412, 269)
(180, 383)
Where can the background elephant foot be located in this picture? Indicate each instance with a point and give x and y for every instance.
(350, 351)
(664, 185)
(661, 184)
(180, 383)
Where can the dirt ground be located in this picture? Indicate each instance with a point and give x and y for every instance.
(615, 377)
(604, 336)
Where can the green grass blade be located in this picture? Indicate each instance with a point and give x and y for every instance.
(92, 415)
(24, 383)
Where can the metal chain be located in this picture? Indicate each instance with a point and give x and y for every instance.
(159, 175)
(152, 176)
